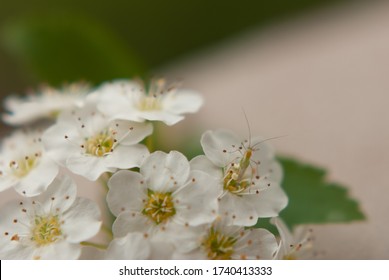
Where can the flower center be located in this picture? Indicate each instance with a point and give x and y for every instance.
(46, 230)
(22, 167)
(99, 145)
(233, 178)
(149, 103)
(218, 246)
(159, 207)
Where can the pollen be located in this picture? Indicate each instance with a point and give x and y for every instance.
(46, 230)
(159, 207)
(218, 246)
(20, 168)
(150, 103)
(99, 145)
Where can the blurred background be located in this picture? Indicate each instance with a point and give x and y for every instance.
(314, 70)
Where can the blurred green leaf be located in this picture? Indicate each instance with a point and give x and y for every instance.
(313, 200)
(69, 48)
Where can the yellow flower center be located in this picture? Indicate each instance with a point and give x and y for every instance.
(46, 230)
(159, 207)
(22, 167)
(218, 246)
(149, 103)
(99, 145)
(233, 179)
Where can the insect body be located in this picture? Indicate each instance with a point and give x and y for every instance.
(242, 172)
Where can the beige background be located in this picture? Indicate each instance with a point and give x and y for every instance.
(323, 80)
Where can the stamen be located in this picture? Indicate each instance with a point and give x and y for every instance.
(20, 168)
(159, 207)
(99, 145)
(218, 246)
(46, 230)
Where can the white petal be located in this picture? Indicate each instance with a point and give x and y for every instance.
(58, 251)
(125, 157)
(133, 246)
(160, 248)
(276, 172)
(268, 166)
(14, 217)
(165, 172)
(129, 221)
(61, 140)
(182, 101)
(130, 133)
(185, 238)
(15, 251)
(202, 163)
(256, 244)
(198, 200)
(38, 179)
(286, 237)
(236, 210)
(270, 200)
(86, 119)
(82, 220)
(220, 146)
(90, 167)
(7, 181)
(60, 195)
(164, 116)
(115, 99)
(23, 112)
(126, 192)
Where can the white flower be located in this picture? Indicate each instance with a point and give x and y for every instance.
(48, 103)
(49, 226)
(165, 194)
(219, 241)
(25, 165)
(249, 174)
(88, 144)
(293, 246)
(130, 100)
(137, 246)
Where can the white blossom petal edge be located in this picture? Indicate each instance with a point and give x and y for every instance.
(130, 100)
(293, 246)
(137, 246)
(48, 103)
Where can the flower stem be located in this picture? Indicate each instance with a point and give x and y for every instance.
(92, 244)
(107, 230)
(109, 218)
(149, 143)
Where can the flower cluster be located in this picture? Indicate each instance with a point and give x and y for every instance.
(165, 206)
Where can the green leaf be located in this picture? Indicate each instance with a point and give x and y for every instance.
(313, 200)
(62, 48)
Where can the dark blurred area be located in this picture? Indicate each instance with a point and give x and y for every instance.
(67, 40)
